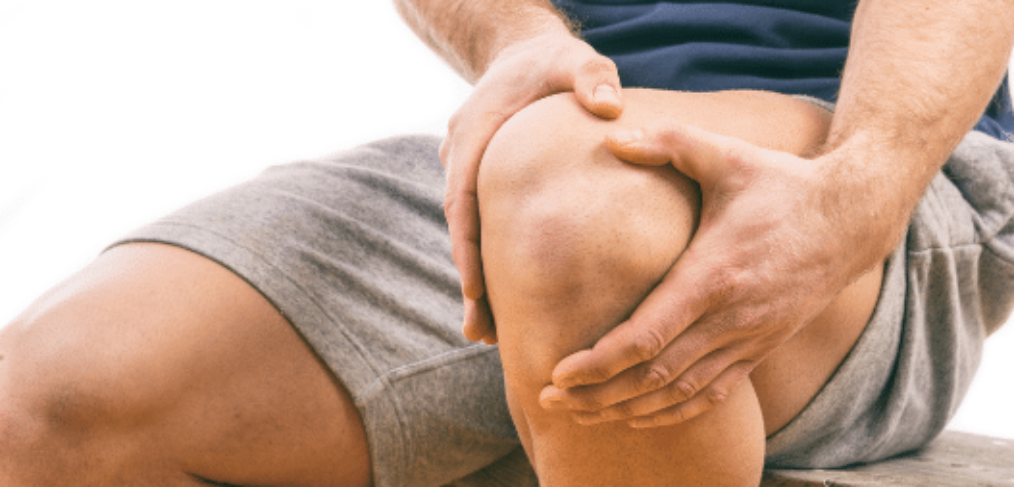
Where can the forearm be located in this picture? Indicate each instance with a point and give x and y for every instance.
(469, 33)
(919, 75)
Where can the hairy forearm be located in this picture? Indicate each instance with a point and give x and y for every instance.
(919, 75)
(469, 33)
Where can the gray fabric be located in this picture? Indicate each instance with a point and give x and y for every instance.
(353, 249)
(946, 286)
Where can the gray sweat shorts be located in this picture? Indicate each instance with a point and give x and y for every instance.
(353, 249)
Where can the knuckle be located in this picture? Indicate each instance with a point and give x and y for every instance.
(649, 421)
(669, 131)
(596, 375)
(653, 378)
(682, 390)
(624, 410)
(450, 203)
(669, 417)
(599, 65)
(648, 344)
(445, 151)
(736, 325)
(724, 282)
(727, 279)
(680, 415)
(552, 83)
(747, 321)
(453, 122)
(725, 325)
(736, 155)
(590, 402)
(500, 114)
(716, 396)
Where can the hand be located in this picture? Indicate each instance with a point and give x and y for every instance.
(774, 246)
(517, 77)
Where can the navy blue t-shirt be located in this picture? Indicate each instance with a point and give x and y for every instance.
(785, 46)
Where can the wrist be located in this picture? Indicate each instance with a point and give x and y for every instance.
(868, 193)
(539, 23)
(469, 35)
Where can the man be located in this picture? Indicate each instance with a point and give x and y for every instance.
(176, 369)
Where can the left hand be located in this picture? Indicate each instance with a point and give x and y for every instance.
(778, 239)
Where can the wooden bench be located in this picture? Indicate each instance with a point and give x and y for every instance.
(953, 459)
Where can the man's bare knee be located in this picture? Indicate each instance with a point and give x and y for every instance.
(573, 240)
(565, 222)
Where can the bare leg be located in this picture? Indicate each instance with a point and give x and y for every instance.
(155, 366)
(573, 239)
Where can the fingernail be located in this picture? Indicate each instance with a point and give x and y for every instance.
(625, 137)
(551, 397)
(588, 418)
(605, 94)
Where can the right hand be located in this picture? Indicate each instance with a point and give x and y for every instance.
(519, 75)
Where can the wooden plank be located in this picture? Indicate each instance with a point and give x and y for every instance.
(953, 459)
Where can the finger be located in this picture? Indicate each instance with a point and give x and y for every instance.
(478, 324)
(445, 150)
(635, 382)
(704, 156)
(684, 295)
(485, 319)
(628, 146)
(667, 386)
(461, 208)
(597, 86)
(461, 153)
(713, 395)
(687, 387)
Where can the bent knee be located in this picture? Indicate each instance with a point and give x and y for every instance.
(572, 237)
(559, 209)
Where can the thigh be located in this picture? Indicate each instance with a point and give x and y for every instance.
(353, 250)
(154, 363)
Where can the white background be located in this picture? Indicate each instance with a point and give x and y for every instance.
(115, 112)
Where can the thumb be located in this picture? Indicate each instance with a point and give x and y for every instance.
(703, 156)
(597, 86)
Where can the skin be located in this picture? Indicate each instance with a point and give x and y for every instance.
(156, 366)
(914, 83)
(93, 390)
(113, 406)
(516, 53)
(907, 98)
(574, 239)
